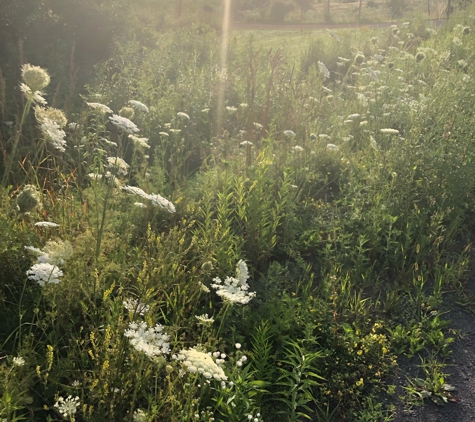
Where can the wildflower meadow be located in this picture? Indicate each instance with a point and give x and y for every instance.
(260, 237)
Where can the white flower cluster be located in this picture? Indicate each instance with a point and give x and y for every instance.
(183, 116)
(155, 198)
(323, 70)
(204, 319)
(235, 289)
(150, 340)
(101, 108)
(139, 106)
(119, 165)
(203, 363)
(139, 142)
(33, 96)
(54, 133)
(140, 416)
(18, 361)
(46, 268)
(124, 124)
(67, 407)
(48, 224)
(135, 306)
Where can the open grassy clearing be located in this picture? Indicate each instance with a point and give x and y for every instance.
(259, 241)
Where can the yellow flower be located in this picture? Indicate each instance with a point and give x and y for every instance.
(359, 352)
(384, 350)
(360, 382)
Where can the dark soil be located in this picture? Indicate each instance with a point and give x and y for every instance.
(460, 371)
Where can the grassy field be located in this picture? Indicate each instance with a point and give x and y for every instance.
(258, 239)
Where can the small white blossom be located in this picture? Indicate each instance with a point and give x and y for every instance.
(18, 361)
(67, 407)
(246, 144)
(204, 319)
(135, 306)
(289, 133)
(297, 148)
(332, 147)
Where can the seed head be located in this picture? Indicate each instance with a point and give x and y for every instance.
(127, 112)
(28, 199)
(35, 77)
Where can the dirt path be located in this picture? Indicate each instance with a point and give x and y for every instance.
(460, 369)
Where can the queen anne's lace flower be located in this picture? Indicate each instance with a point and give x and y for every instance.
(18, 361)
(139, 142)
(101, 108)
(332, 147)
(67, 407)
(54, 133)
(124, 124)
(46, 224)
(44, 273)
(35, 77)
(390, 131)
(134, 305)
(323, 70)
(149, 340)
(235, 290)
(289, 133)
(204, 319)
(155, 198)
(201, 362)
(120, 166)
(139, 106)
(183, 116)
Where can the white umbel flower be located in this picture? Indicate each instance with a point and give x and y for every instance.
(119, 165)
(124, 124)
(44, 273)
(139, 106)
(323, 70)
(46, 224)
(67, 407)
(139, 142)
(101, 108)
(183, 116)
(235, 290)
(203, 363)
(54, 133)
(33, 96)
(332, 147)
(155, 198)
(135, 306)
(18, 361)
(149, 340)
(204, 319)
(390, 131)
